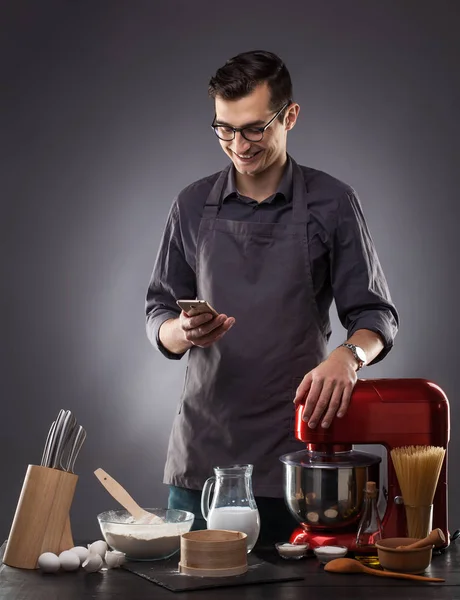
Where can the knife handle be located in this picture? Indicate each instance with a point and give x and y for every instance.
(76, 447)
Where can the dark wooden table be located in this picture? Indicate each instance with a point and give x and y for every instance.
(18, 584)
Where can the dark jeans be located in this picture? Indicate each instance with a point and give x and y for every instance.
(276, 522)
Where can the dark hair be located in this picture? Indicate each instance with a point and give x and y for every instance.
(243, 73)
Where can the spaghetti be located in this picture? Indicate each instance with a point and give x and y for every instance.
(417, 469)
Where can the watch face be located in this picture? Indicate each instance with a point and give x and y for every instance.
(361, 354)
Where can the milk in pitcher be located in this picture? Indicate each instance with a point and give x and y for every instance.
(237, 518)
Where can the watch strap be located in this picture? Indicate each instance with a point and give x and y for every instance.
(354, 351)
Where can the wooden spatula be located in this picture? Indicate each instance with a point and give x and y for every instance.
(349, 565)
(118, 492)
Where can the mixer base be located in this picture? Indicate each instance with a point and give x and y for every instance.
(316, 539)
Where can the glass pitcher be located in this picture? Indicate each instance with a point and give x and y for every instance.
(233, 505)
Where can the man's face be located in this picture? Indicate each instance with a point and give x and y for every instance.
(252, 158)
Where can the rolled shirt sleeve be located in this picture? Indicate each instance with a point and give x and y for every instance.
(172, 279)
(359, 286)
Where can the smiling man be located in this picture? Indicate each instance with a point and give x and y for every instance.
(271, 244)
(259, 153)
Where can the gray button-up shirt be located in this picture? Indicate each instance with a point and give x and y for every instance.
(344, 263)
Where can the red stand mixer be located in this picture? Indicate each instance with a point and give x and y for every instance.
(324, 484)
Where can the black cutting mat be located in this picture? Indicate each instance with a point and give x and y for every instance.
(166, 573)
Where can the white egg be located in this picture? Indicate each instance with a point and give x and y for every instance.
(100, 547)
(114, 559)
(69, 560)
(81, 552)
(93, 563)
(49, 562)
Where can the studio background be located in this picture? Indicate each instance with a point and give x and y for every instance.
(105, 119)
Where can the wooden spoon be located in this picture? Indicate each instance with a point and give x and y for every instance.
(349, 565)
(436, 538)
(118, 492)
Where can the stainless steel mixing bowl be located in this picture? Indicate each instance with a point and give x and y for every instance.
(325, 491)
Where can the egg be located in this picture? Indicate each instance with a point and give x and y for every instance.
(69, 560)
(49, 562)
(100, 547)
(81, 552)
(93, 563)
(114, 559)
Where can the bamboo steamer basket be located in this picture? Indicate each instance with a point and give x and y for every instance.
(213, 553)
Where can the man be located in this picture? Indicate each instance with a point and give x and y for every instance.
(271, 244)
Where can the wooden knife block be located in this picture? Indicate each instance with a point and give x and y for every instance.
(41, 522)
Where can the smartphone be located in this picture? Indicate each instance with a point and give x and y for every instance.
(196, 307)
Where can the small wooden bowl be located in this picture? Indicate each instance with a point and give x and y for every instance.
(405, 561)
(213, 553)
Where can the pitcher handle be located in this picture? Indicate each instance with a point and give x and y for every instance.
(205, 496)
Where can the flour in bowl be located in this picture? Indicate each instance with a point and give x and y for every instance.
(144, 542)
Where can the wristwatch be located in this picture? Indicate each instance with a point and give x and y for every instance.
(358, 353)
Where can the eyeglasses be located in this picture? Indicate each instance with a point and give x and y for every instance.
(251, 134)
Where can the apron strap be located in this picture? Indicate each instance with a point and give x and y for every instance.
(214, 199)
(299, 195)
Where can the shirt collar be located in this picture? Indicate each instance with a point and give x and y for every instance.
(284, 187)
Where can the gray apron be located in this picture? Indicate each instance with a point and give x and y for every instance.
(237, 405)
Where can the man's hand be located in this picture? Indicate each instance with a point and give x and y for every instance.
(205, 329)
(327, 388)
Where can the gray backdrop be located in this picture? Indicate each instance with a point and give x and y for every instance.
(106, 118)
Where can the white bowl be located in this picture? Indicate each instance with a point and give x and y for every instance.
(327, 553)
(152, 541)
(291, 551)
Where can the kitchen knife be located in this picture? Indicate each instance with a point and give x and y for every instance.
(49, 440)
(65, 455)
(61, 439)
(55, 438)
(68, 442)
(79, 439)
(46, 449)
